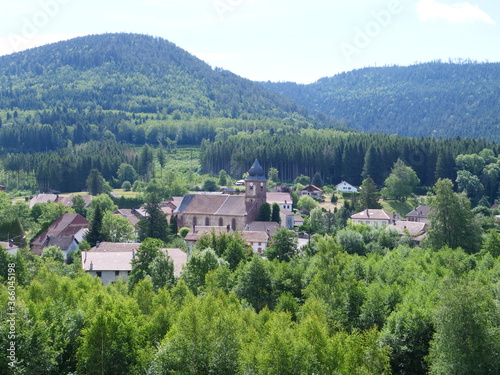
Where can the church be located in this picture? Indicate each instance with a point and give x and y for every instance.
(223, 210)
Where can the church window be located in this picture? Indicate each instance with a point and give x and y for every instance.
(221, 222)
(233, 224)
(207, 221)
(194, 221)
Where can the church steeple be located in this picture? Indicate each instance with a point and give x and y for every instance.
(256, 184)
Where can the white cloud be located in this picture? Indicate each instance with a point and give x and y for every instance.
(456, 13)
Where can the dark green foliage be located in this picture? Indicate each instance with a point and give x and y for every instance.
(95, 182)
(284, 246)
(94, 233)
(452, 222)
(317, 180)
(275, 213)
(410, 101)
(369, 195)
(264, 212)
(155, 224)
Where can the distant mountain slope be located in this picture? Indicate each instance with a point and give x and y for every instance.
(431, 99)
(130, 72)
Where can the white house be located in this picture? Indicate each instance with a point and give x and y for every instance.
(284, 200)
(312, 191)
(346, 187)
(373, 217)
(257, 240)
(108, 266)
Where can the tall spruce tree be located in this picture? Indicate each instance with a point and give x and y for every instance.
(264, 212)
(94, 234)
(369, 195)
(154, 224)
(275, 215)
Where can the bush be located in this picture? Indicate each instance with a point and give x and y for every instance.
(126, 186)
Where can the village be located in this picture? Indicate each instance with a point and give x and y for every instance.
(207, 213)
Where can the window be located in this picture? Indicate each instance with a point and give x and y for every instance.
(207, 221)
(117, 273)
(195, 222)
(221, 222)
(98, 273)
(233, 224)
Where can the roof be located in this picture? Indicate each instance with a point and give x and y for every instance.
(262, 226)
(412, 228)
(279, 198)
(253, 236)
(104, 261)
(128, 214)
(372, 214)
(209, 204)
(62, 231)
(179, 258)
(113, 247)
(420, 211)
(8, 245)
(42, 198)
(256, 172)
(311, 188)
(342, 183)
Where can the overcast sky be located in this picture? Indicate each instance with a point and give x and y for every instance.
(274, 40)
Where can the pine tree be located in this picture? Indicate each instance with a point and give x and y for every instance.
(369, 196)
(94, 234)
(264, 212)
(154, 224)
(275, 215)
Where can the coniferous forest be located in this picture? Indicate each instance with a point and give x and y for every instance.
(139, 114)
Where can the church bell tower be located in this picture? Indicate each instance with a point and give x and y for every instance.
(256, 185)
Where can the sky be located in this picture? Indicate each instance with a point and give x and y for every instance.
(273, 40)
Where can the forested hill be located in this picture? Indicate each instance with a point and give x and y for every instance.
(431, 99)
(133, 73)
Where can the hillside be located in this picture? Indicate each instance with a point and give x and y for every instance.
(129, 72)
(431, 99)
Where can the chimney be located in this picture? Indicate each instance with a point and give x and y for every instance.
(91, 267)
(367, 213)
(97, 244)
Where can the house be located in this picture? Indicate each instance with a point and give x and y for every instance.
(110, 260)
(43, 198)
(2, 187)
(420, 214)
(68, 201)
(257, 240)
(10, 247)
(108, 266)
(227, 190)
(298, 221)
(373, 217)
(269, 227)
(240, 183)
(415, 230)
(346, 187)
(222, 210)
(287, 219)
(284, 200)
(66, 233)
(312, 191)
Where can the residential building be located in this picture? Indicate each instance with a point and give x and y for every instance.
(346, 187)
(373, 217)
(283, 199)
(312, 191)
(420, 214)
(66, 233)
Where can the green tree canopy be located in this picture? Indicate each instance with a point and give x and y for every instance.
(401, 183)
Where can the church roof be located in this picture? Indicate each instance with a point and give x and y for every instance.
(256, 172)
(209, 204)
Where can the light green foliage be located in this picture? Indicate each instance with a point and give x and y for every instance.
(273, 175)
(466, 341)
(105, 202)
(54, 253)
(452, 222)
(306, 203)
(401, 183)
(126, 172)
(473, 163)
(200, 262)
(150, 260)
(303, 180)
(116, 228)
